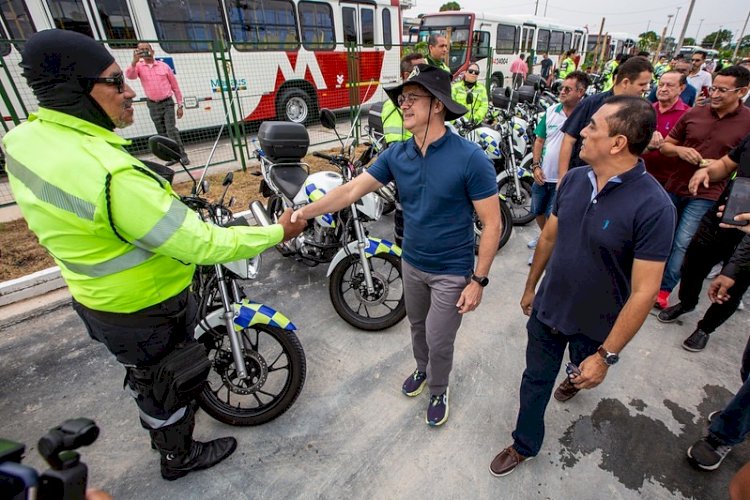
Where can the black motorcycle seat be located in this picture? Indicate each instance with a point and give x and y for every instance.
(289, 179)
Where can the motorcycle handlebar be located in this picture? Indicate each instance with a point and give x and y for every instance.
(325, 156)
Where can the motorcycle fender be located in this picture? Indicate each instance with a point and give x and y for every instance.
(527, 160)
(246, 314)
(374, 247)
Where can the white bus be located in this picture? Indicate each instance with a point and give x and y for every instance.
(502, 39)
(689, 50)
(617, 43)
(288, 57)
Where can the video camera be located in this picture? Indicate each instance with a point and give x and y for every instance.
(67, 476)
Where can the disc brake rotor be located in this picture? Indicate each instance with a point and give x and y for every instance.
(379, 283)
(257, 372)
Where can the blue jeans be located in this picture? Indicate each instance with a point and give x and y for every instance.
(542, 198)
(544, 355)
(732, 425)
(689, 214)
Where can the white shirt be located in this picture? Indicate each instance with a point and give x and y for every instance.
(699, 80)
(551, 126)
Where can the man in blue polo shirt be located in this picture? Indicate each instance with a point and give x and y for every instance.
(442, 179)
(633, 78)
(604, 249)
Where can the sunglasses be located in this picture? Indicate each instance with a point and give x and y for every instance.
(118, 80)
(473, 72)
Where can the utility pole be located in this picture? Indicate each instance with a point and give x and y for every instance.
(648, 26)
(742, 34)
(716, 37)
(697, 40)
(684, 27)
(671, 32)
(536, 7)
(546, 2)
(663, 34)
(599, 40)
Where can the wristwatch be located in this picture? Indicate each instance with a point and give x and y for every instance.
(610, 358)
(482, 280)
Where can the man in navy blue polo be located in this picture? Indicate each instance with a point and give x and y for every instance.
(604, 249)
(442, 179)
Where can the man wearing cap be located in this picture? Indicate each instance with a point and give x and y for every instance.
(442, 179)
(125, 243)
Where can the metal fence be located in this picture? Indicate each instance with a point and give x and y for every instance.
(230, 89)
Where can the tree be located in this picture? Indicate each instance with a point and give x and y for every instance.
(688, 41)
(648, 40)
(450, 6)
(716, 39)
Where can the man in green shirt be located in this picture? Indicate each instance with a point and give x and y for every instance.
(437, 45)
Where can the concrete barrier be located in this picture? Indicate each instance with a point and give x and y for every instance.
(33, 285)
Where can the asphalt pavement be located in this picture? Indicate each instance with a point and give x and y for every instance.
(352, 434)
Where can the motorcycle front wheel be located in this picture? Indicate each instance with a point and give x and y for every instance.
(518, 202)
(506, 217)
(276, 368)
(351, 300)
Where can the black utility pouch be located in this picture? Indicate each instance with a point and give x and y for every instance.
(180, 376)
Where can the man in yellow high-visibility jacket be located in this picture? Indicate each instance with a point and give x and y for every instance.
(126, 245)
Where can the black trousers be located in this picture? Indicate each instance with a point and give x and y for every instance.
(710, 246)
(142, 339)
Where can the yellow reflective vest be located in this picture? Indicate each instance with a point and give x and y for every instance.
(567, 67)
(75, 183)
(393, 123)
(609, 75)
(479, 103)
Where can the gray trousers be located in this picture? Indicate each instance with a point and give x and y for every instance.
(431, 308)
(163, 115)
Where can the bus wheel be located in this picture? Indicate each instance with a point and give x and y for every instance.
(295, 105)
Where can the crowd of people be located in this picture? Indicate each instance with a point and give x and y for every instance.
(628, 196)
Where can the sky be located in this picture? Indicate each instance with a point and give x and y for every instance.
(631, 16)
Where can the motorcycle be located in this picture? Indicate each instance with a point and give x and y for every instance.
(365, 284)
(258, 366)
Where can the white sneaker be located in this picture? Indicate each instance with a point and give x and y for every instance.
(532, 244)
(714, 272)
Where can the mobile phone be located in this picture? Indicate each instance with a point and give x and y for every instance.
(572, 370)
(738, 201)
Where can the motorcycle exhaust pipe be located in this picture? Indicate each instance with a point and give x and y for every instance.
(260, 214)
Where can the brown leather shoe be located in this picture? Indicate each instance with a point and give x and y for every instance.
(565, 391)
(506, 461)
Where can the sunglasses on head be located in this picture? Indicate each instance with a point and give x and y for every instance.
(117, 80)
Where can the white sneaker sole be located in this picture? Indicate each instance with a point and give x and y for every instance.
(701, 466)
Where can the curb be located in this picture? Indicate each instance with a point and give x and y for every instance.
(33, 285)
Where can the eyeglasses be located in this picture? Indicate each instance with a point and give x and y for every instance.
(473, 72)
(722, 90)
(409, 99)
(568, 89)
(118, 80)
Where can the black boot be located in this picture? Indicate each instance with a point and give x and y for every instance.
(181, 455)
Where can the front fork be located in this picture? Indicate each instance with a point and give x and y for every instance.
(362, 244)
(514, 167)
(234, 338)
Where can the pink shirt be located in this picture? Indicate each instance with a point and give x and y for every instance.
(519, 66)
(157, 80)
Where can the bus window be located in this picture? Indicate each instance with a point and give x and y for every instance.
(70, 15)
(566, 41)
(198, 21)
(316, 23)
(556, 42)
(481, 45)
(506, 39)
(349, 15)
(542, 41)
(116, 21)
(387, 37)
(17, 19)
(263, 25)
(367, 19)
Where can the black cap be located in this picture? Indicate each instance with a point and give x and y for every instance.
(438, 83)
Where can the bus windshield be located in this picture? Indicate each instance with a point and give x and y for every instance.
(456, 28)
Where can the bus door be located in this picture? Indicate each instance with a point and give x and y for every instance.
(363, 71)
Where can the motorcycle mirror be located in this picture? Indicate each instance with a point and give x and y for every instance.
(507, 91)
(469, 98)
(166, 149)
(228, 179)
(205, 186)
(328, 119)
